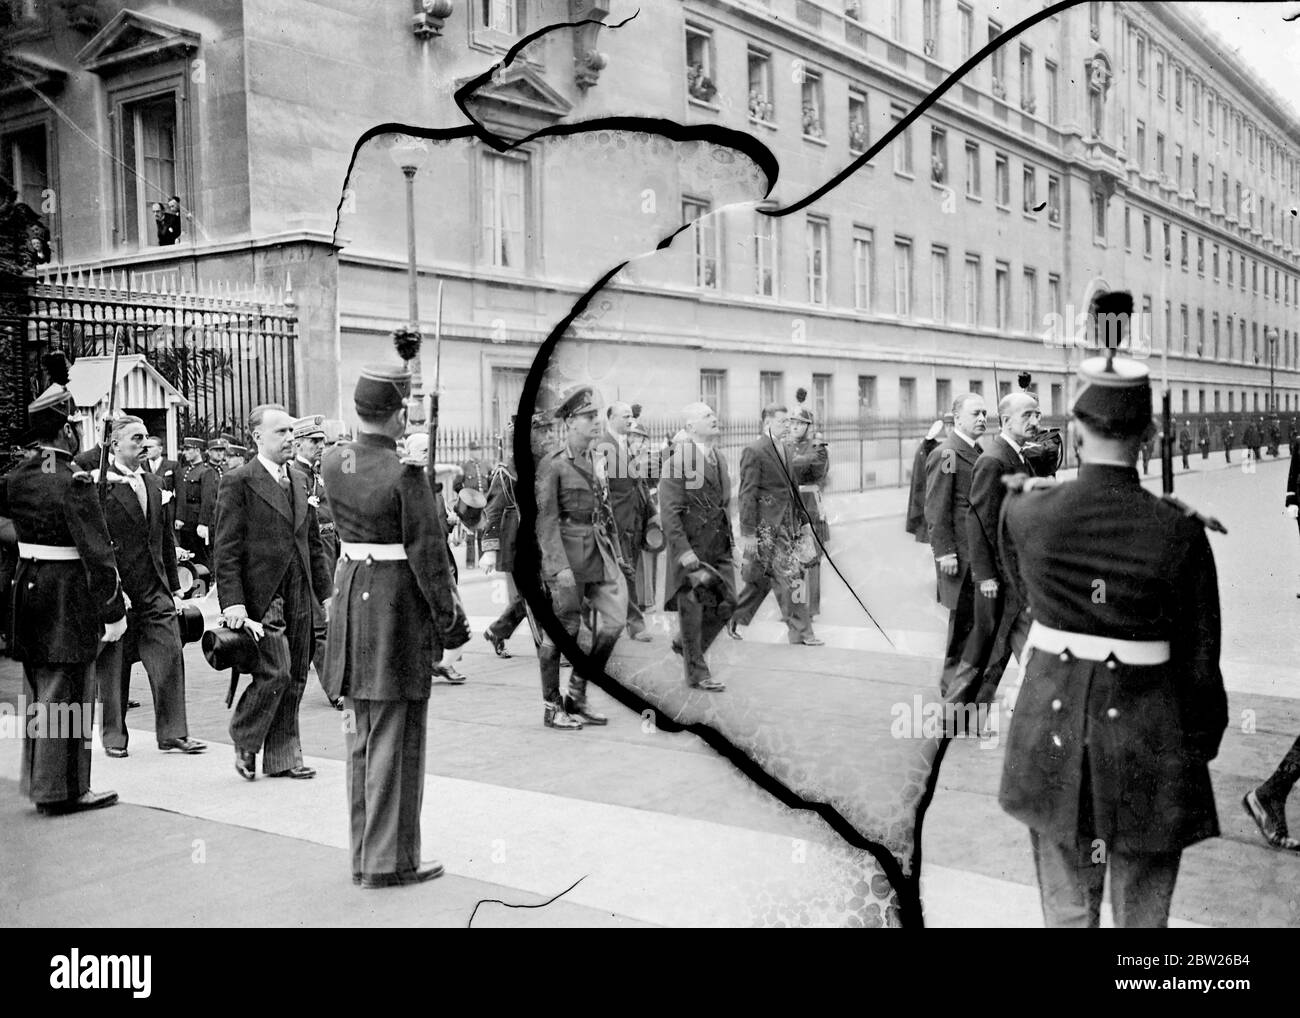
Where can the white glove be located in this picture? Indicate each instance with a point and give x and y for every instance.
(202, 531)
(488, 561)
(1293, 511)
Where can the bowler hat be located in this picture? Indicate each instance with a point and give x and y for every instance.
(230, 648)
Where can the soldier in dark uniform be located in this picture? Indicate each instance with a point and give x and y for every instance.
(236, 457)
(395, 609)
(67, 603)
(308, 442)
(196, 504)
(217, 456)
(499, 536)
(915, 523)
(475, 473)
(1123, 704)
(1203, 439)
(1184, 446)
(581, 565)
(1250, 440)
(1229, 437)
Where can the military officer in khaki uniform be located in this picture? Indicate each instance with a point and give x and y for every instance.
(581, 568)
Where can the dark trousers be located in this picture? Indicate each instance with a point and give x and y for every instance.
(631, 550)
(999, 628)
(1205, 452)
(508, 621)
(1227, 453)
(795, 610)
(608, 599)
(319, 635)
(961, 620)
(700, 626)
(471, 546)
(266, 716)
(1282, 780)
(187, 537)
(153, 638)
(56, 755)
(385, 784)
(1186, 464)
(1070, 884)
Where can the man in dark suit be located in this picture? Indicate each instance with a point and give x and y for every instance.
(139, 523)
(999, 626)
(769, 526)
(915, 523)
(1123, 704)
(630, 497)
(500, 534)
(67, 602)
(157, 463)
(395, 614)
(269, 568)
(948, 473)
(1229, 435)
(694, 494)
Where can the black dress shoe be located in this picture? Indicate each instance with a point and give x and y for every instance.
(584, 713)
(677, 646)
(641, 636)
(1270, 820)
(403, 879)
(300, 772)
(449, 674)
(813, 641)
(709, 685)
(246, 765)
(88, 800)
(116, 752)
(185, 744)
(730, 627)
(498, 644)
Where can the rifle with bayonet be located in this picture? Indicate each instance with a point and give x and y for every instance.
(102, 481)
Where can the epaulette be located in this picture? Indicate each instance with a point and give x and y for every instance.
(1187, 512)
(82, 477)
(1019, 484)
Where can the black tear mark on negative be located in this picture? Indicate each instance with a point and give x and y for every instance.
(906, 885)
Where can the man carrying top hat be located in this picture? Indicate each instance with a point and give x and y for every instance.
(269, 569)
(309, 443)
(1123, 704)
(581, 565)
(395, 613)
(694, 495)
(139, 523)
(67, 601)
(196, 503)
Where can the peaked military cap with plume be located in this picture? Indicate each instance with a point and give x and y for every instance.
(1116, 396)
(55, 406)
(382, 389)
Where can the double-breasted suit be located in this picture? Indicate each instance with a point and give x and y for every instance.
(999, 624)
(768, 513)
(269, 558)
(694, 501)
(394, 610)
(146, 558)
(60, 608)
(949, 470)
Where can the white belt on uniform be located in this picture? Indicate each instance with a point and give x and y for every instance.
(1097, 648)
(48, 552)
(357, 551)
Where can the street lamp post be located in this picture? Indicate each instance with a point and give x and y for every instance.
(409, 155)
(1272, 353)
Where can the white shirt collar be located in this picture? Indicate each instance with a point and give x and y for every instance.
(272, 468)
(964, 437)
(126, 471)
(1002, 435)
(153, 464)
(1096, 462)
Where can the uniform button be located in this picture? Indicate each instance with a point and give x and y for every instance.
(1112, 713)
(1056, 741)
(365, 596)
(1065, 655)
(1111, 664)
(1056, 705)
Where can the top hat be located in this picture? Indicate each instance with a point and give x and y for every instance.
(711, 590)
(230, 648)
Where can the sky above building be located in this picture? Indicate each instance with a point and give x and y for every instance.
(1258, 34)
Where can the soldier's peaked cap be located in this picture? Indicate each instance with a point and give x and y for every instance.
(236, 450)
(542, 420)
(802, 414)
(382, 388)
(311, 426)
(192, 443)
(1116, 397)
(218, 443)
(580, 401)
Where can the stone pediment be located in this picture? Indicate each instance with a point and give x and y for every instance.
(20, 72)
(131, 39)
(517, 102)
